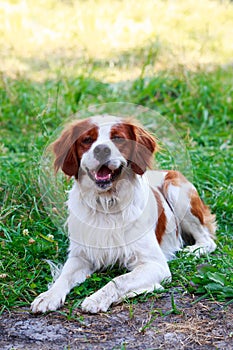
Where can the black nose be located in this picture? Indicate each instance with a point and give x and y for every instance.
(102, 153)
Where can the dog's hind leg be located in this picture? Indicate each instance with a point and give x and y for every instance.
(197, 224)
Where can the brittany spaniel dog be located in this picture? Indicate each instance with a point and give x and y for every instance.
(119, 212)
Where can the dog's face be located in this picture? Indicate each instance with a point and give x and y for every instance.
(103, 148)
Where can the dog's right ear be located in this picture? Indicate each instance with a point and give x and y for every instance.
(65, 150)
(145, 145)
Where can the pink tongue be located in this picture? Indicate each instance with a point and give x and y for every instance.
(104, 173)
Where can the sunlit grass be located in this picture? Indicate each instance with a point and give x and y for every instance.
(41, 38)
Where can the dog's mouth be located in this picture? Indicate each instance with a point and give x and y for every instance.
(104, 176)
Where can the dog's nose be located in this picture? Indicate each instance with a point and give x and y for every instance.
(102, 153)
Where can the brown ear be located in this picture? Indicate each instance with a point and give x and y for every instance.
(142, 155)
(65, 151)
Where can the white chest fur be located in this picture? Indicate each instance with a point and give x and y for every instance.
(111, 227)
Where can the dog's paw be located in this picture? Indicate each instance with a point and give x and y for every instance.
(200, 249)
(93, 305)
(101, 300)
(47, 301)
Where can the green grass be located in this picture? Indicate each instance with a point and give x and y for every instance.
(35, 100)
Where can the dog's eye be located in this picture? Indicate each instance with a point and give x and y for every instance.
(87, 140)
(118, 139)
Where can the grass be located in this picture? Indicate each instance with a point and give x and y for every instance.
(178, 67)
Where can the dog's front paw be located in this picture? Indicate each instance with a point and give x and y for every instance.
(101, 300)
(47, 301)
(93, 305)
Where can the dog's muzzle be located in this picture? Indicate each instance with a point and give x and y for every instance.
(105, 175)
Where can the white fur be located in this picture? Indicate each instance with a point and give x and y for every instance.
(98, 240)
(117, 226)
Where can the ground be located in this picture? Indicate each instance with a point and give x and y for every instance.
(145, 325)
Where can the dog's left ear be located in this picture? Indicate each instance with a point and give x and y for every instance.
(65, 152)
(142, 154)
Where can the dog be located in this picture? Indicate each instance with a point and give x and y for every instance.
(120, 212)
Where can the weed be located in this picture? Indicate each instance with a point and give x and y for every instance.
(213, 282)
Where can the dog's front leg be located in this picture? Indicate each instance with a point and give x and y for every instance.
(145, 277)
(74, 271)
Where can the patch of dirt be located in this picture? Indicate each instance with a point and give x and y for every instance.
(147, 325)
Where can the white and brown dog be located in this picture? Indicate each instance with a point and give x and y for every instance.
(121, 213)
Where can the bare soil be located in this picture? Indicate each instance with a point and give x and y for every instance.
(145, 325)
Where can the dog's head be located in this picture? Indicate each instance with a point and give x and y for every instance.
(103, 147)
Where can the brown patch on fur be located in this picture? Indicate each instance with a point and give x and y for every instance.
(122, 135)
(202, 212)
(177, 231)
(139, 152)
(72, 144)
(162, 220)
(174, 178)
